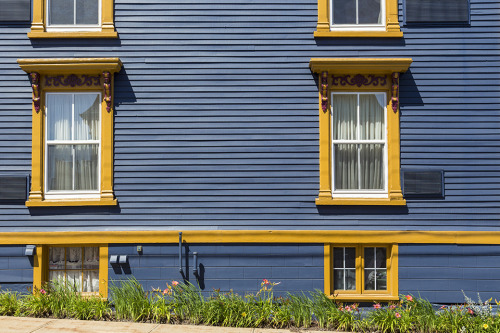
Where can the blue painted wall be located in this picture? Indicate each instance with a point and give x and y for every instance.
(440, 272)
(216, 121)
(238, 267)
(16, 270)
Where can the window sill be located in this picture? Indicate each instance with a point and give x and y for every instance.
(364, 297)
(73, 34)
(397, 34)
(360, 201)
(73, 202)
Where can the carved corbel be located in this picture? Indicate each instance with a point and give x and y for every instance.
(35, 86)
(107, 89)
(395, 92)
(324, 90)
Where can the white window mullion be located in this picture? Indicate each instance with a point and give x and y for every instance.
(345, 270)
(357, 16)
(74, 12)
(358, 137)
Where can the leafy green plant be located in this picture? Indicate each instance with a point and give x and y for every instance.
(130, 300)
(9, 303)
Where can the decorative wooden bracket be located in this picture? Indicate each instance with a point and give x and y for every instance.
(359, 80)
(107, 89)
(395, 92)
(324, 90)
(35, 85)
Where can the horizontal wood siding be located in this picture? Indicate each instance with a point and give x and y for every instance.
(16, 269)
(440, 272)
(216, 122)
(238, 267)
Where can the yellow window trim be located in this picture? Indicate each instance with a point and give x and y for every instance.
(387, 68)
(392, 28)
(84, 66)
(39, 24)
(41, 266)
(392, 292)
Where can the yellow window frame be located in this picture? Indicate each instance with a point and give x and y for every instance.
(374, 75)
(41, 266)
(103, 68)
(360, 294)
(39, 23)
(392, 28)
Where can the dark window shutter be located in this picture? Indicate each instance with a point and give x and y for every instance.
(437, 11)
(427, 183)
(15, 10)
(13, 188)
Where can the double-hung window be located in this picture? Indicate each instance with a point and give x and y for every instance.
(358, 18)
(359, 130)
(359, 144)
(72, 145)
(73, 19)
(81, 15)
(72, 131)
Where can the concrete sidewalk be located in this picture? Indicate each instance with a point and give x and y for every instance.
(48, 325)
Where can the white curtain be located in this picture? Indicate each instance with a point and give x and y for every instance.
(56, 258)
(73, 257)
(358, 166)
(73, 167)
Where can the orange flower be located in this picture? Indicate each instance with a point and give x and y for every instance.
(175, 283)
(265, 282)
(166, 291)
(409, 298)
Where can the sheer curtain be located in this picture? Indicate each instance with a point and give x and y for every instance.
(345, 123)
(358, 166)
(73, 117)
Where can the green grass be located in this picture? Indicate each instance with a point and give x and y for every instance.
(184, 303)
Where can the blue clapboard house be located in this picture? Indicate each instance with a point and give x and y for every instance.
(351, 147)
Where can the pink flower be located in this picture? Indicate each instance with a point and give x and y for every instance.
(442, 307)
(42, 291)
(175, 283)
(166, 291)
(377, 306)
(470, 311)
(392, 306)
(348, 308)
(398, 315)
(409, 298)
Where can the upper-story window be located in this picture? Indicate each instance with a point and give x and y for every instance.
(358, 14)
(358, 18)
(73, 14)
(73, 19)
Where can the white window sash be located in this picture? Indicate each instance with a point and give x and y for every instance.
(74, 27)
(357, 26)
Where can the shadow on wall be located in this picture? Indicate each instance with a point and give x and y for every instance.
(356, 42)
(408, 91)
(362, 210)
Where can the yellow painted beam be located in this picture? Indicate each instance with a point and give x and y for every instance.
(254, 236)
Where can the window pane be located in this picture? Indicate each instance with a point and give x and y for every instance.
(338, 279)
(369, 12)
(74, 280)
(90, 281)
(338, 257)
(369, 256)
(381, 257)
(346, 167)
(87, 11)
(59, 109)
(73, 257)
(350, 257)
(344, 11)
(87, 116)
(371, 116)
(382, 279)
(372, 167)
(370, 277)
(86, 168)
(56, 276)
(60, 168)
(91, 258)
(344, 108)
(61, 12)
(350, 279)
(56, 258)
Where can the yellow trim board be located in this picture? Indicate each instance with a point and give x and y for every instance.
(360, 65)
(70, 65)
(253, 236)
